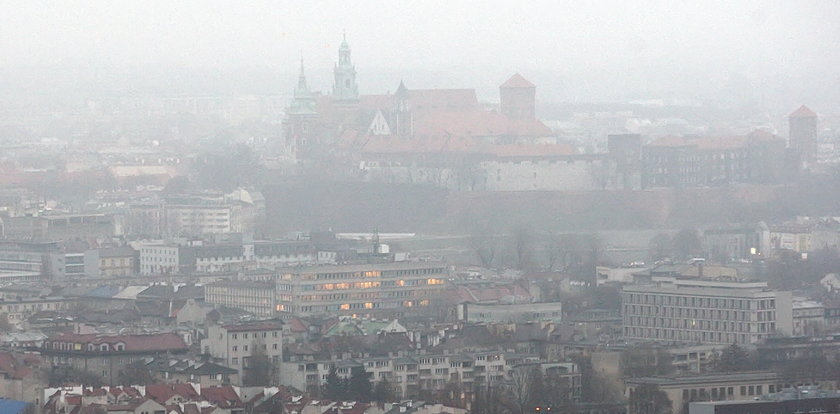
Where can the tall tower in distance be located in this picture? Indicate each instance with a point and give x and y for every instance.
(518, 98)
(345, 88)
(301, 116)
(803, 134)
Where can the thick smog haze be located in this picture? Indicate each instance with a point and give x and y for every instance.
(419, 207)
(578, 50)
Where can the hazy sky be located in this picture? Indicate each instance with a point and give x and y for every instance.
(769, 38)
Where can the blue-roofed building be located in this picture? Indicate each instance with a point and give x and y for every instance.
(13, 406)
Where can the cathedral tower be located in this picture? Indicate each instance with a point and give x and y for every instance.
(345, 88)
(301, 116)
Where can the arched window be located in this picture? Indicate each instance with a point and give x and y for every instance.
(120, 347)
(103, 347)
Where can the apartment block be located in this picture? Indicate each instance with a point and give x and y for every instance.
(411, 373)
(711, 311)
(236, 344)
(361, 290)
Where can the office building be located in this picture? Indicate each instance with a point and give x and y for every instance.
(698, 310)
(362, 290)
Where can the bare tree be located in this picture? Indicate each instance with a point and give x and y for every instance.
(487, 399)
(523, 389)
(523, 246)
(486, 245)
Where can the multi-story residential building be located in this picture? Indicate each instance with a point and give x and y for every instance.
(113, 262)
(270, 254)
(698, 310)
(411, 373)
(263, 254)
(256, 297)
(236, 344)
(159, 258)
(19, 309)
(737, 386)
(808, 317)
(510, 313)
(187, 257)
(193, 217)
(362, 289)
(107, 355)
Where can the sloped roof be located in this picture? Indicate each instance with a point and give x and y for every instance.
(803, 112)
(223, 395)
(517, 81)
(160, 393)
(133, 343)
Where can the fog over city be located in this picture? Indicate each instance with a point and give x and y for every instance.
(607, 51)
(403, 207)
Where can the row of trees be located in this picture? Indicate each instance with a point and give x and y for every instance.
(523, 248)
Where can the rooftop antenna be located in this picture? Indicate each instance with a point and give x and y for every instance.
(375, 240)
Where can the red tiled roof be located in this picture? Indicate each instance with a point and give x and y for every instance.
(803, 112)
(133, 343)
(517, 81)
(430, 100)
(163, 392)
(297, 325)
(223, 395)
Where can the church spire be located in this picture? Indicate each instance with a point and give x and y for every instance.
(303, 101)
(345, 88)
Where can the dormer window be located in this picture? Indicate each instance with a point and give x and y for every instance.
(91, 347)
(119, 347)
(103, 347)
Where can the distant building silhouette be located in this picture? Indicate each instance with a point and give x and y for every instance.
(518, 98)
(803, 135)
